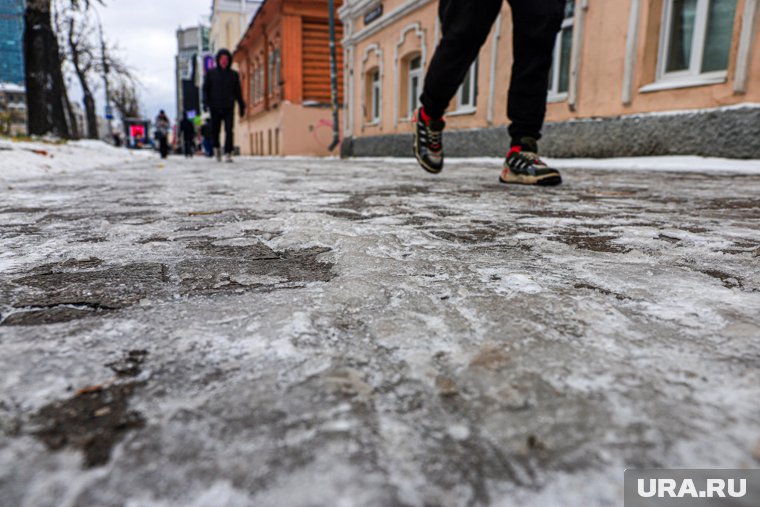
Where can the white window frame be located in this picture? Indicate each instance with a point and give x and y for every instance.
(375, 97)
(419, 73)
(693, 76)
(554, 94)
(472, 106)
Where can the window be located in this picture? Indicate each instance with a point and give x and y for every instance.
(559, 77)
(270, 84)
(414, 86)
(696, 38)
(277, 69)
(252, 84)
(375, 96)
(260, 82)
(468, 93)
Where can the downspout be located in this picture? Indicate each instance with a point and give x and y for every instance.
(745, 46)
(333, 76)
(575, 60)
(630, 51)
(492, 80)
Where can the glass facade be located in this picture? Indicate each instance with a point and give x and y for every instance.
(11, 46)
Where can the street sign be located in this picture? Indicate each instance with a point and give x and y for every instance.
(109, 113)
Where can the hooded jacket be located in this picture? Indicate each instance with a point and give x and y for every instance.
(221, 88)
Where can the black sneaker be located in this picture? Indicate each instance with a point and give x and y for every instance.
(523, 167)
(428, 142)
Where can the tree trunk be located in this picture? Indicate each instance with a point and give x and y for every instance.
(44, 79)
(81, 69)
(73, 127)
(89, 109)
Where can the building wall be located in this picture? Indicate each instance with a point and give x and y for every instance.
(598, 56)
(192, 47)
(290, 129)
(283, 60)
(229, 20)
(12, 109)
(11, 35)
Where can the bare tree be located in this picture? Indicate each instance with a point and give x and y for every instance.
(81, 54)
(125, 97)
(45, 89)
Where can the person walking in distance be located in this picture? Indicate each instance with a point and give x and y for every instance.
(221, 89)
(465, 27)
(162, 133)
(187, 129)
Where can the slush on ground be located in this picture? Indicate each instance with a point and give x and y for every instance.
(303, 332)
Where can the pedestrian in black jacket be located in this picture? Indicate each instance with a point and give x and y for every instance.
(187, 129)
(221, 89)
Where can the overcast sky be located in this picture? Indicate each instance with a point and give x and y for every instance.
(145, 31)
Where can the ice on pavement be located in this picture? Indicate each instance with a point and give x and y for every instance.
(328, 332)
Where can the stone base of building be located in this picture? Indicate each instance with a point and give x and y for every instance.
(728, 133)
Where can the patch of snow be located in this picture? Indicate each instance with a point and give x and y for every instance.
(28, 159)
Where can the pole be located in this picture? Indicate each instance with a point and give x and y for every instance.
(333, 76)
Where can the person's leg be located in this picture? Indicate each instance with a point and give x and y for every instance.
(163, 146)
(216, 127)
(536, 24)
(465, 26)
(535, 27)
(229, 123)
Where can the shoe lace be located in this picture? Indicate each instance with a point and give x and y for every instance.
(530, 157)
(435, 137)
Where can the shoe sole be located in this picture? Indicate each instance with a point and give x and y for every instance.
(545, 181)
(425, 166)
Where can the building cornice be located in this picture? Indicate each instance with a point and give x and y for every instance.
(380, 24)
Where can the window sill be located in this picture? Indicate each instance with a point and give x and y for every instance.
(463, 112)
(375, 123)
(690, 82)
(558, 97)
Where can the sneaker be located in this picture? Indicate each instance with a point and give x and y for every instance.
(524, 167)
(228, 158)
(428, 142)
(218, 154)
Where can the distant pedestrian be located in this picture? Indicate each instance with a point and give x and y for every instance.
(187, 129)
(207, 142)
(465, 27)
(162, 133)
(221, 89)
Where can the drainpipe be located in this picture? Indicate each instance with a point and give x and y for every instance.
(575, 58)
(333, 75)
(745, 46)
(492, 79)
(630, 51)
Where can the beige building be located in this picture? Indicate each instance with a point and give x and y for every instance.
(229, 20)
(615, 60)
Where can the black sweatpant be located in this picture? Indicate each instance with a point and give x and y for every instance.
(465, 27)
(188, 143)
(217, 116)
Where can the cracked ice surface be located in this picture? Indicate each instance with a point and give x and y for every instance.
(323, 332)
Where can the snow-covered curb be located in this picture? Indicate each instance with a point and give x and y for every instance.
(671, 163)
(27, 159)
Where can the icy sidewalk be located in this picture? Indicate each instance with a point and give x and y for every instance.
(301, 332)
(29, 159)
